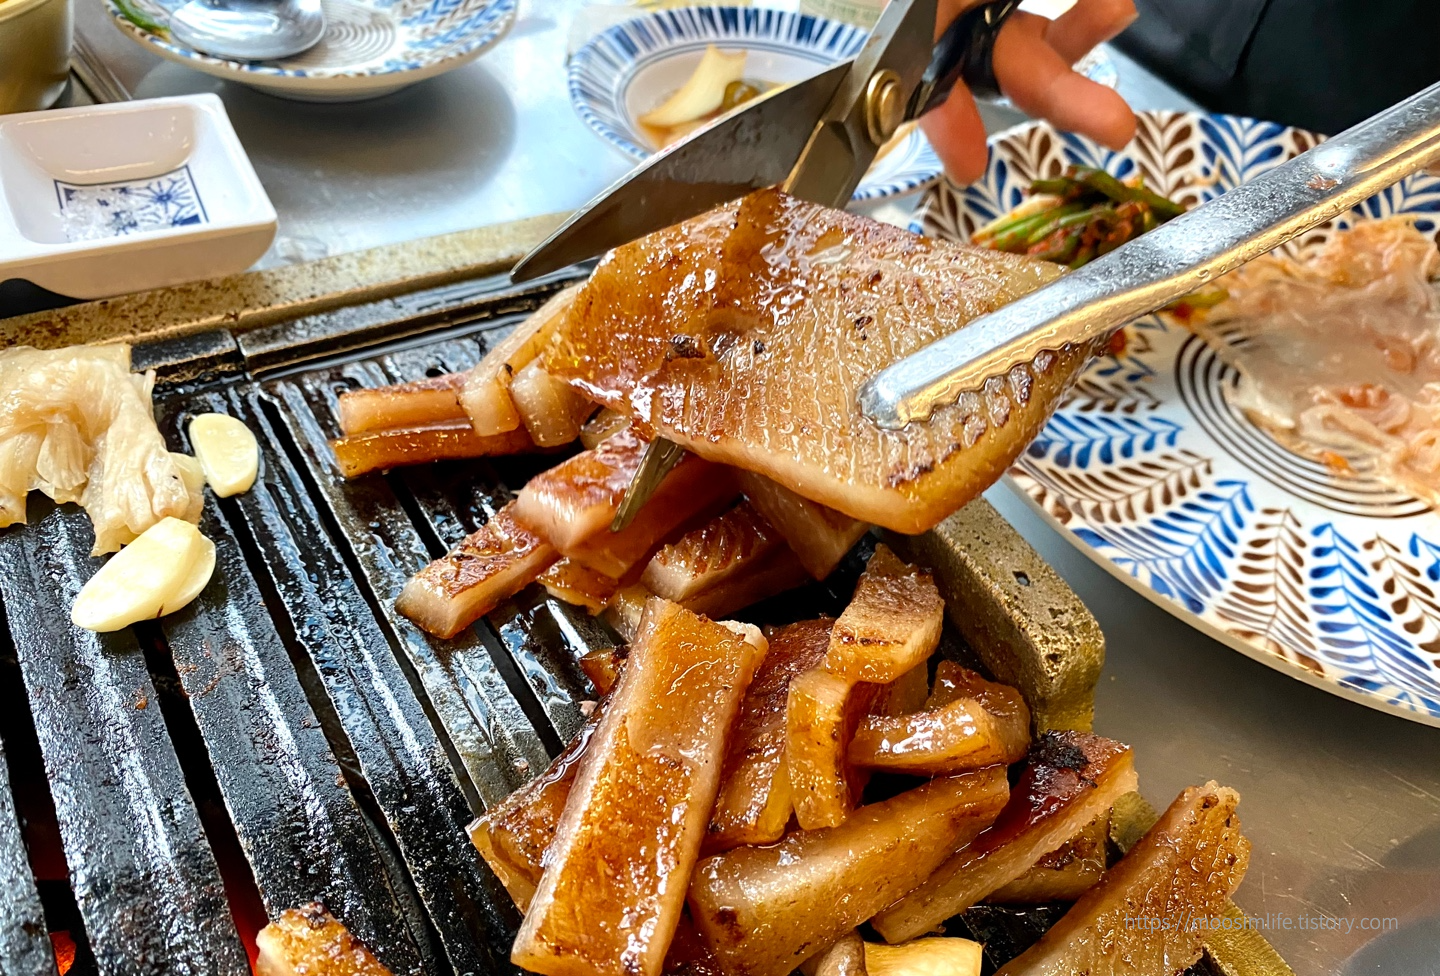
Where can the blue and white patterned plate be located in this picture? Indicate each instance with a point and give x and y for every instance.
(1150, 470)
(625, 71)
(370, 47)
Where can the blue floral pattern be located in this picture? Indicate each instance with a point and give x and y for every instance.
(1145, 465)
(101, 210)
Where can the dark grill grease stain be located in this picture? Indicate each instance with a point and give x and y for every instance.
(300, 829)
(404, 763)
(475, 707)
(143, 875)
(24, 944)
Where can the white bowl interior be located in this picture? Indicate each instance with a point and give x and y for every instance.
(87, 158)
(657, 80)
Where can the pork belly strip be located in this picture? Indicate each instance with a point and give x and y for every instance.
(512, 836)
(485, 394)
(451, 440)
(1069, 780)
(980, 723)
(745, 333)
(753, 806)
(765, 910)
(432, 400)
(819, 536)
(1175, 880)
(492, 564)
(309, 941)
(613, 889)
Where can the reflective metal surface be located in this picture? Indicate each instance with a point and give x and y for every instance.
(249, 30)
(1170, 261)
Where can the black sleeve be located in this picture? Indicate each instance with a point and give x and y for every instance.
(1319, 64)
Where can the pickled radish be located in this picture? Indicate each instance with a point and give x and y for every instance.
(702, 93)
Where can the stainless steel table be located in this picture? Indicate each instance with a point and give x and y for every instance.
(1342, 803)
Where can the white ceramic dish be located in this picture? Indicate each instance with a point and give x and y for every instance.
(370, 47)
(108, 199)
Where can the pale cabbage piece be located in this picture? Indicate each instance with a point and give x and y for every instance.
(76, 424)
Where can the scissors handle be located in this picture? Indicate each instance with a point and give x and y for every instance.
(965, 52)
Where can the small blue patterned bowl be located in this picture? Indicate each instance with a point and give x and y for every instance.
(630, 68)
(1151, 471)
(370, 48)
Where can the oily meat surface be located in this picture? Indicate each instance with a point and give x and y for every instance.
(746, 332)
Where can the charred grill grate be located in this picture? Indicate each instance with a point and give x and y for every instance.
(288, 737)
(350, 749)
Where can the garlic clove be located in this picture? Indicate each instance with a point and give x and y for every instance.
(136, 582)
(227, 451)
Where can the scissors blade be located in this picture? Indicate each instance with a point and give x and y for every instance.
(754, 147)
(841, 148)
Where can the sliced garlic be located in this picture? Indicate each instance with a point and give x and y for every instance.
(227, 451)
(924, 957)
(200, 573)
(141, 579)
(702, 93)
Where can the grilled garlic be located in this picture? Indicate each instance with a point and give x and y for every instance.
(924, 957)
(162, 570)
(227, 451)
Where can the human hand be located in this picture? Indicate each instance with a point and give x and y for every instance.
(1033, 59)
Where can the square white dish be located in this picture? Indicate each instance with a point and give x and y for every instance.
(107, 199)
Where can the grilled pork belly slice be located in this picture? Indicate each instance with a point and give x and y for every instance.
(822, 712)
(764, 910)
(986, 723)
(727, 546)
(451, 440)
(308, 941)
(891, 626)
(694, 491)
(550, 411)
(744, 334)
(925, 957)
(820, 536)
(730, 562)
(577, 498)
(1182, 871)
(570, 581)
(754, 802)
(623, 613)
(485, 395)
(1065, 873)
(614, 883)
(573, 503)
(1070, 779)
(603, 666)
(513, 835)
(422, 403)
(905, 694)
(493, 563)
(782, 573)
